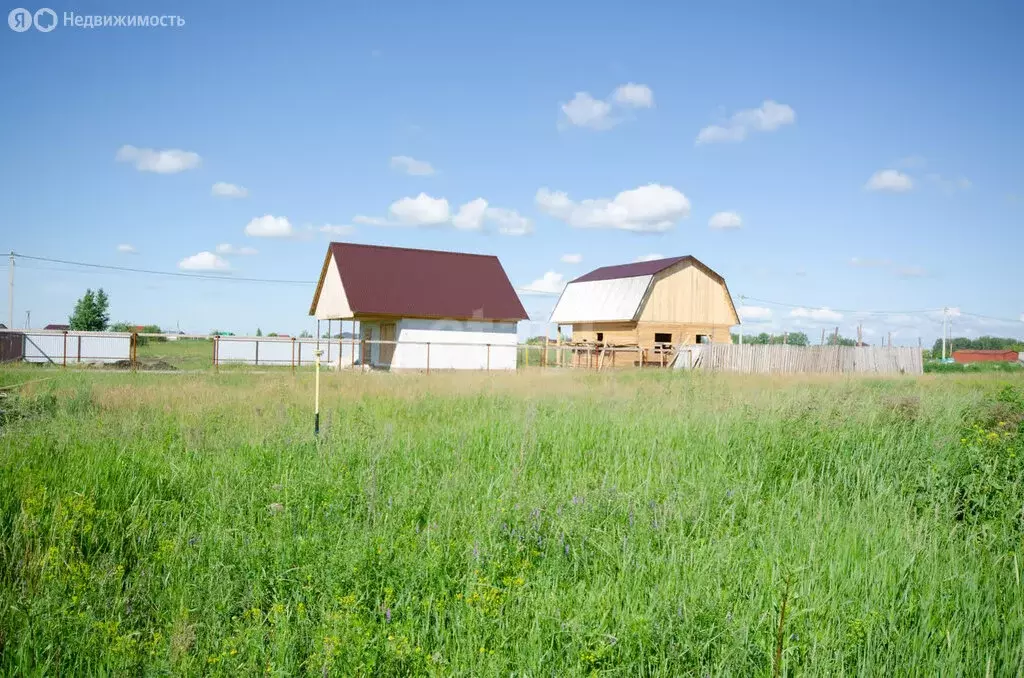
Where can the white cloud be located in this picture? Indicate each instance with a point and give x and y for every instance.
(633, 95)
(169, 161)
(225, 190)
(889, 180)
(509, 221)
(767, 118)
(420, 211)
(471, 215)
(204, 261)
(228, 250)
(269, 226)
(649, 257)
(818, 314)
(331, 229)
(572, 258)
(725, 220)
(127, 249)
(550, 283)
(412, 166)
(424, 210)
(586, 111)
(371, 221)
(754, 314)
(651, 208)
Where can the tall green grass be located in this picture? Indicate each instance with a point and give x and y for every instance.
(532, 524)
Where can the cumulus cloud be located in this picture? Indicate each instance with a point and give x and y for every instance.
(754, 314)
(633, 95)
(371, 221)
(204, 261)
(269, 226)
(889, 180)
(769, 117)
(509, 222)
(816, 314)
(424, 210)
(549, 283)
(229, 250)
(127, 249)
(225, 190)
(571, 258)
(586, 111)
(331, 229)
(411, 166)
(651, 208)
(471, 215)
(420, 211)
(649, 257)
(168, 161)
(725, 220)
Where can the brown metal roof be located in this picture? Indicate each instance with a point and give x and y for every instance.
(630, 270)
(412, 283)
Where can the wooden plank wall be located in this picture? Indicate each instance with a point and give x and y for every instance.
(780, 359)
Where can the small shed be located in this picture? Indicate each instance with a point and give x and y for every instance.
(985, 355)
(418, 308)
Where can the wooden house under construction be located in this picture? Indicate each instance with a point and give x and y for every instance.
(651, 307)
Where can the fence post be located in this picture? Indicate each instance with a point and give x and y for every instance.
(293, 355)
(489, 357)
(65, 363)
(257, 352)
(216, 352)
(428, 357)
(300, 354)
(132, 349)
(78, 359)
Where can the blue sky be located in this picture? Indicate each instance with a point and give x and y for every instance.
(871, 152)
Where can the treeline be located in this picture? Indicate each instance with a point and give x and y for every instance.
(981, 343)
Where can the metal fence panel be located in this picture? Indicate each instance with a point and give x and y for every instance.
(76, 347)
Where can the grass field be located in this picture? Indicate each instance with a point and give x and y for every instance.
(527, 524)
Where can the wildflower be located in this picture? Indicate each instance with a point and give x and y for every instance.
(387, 614)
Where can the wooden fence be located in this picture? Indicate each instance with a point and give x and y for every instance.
(777, 359)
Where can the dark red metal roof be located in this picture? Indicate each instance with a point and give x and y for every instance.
(411, 283)
(57, 326)
(630, 270)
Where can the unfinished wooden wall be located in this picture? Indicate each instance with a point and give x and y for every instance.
(685, 294)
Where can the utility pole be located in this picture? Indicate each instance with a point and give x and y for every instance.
(944, 318)
(28, 320)
(10, 293)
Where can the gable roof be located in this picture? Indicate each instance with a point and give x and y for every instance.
(413, 283)
(630, 270)
(617, 293)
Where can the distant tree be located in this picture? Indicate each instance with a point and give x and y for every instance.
(259, 332)
(797, 339)
(271, 334)
(981, 343)
(305, 334)
(122, 327)
(833, 340)
(221, 333)
(91, 312)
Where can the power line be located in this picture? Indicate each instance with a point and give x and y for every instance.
(176, 274)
